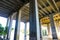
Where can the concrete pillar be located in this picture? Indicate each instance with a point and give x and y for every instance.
(57, 28)
(48, 27)
(57, 24)
(54, 34)
(17, 25)
(25, 29)
(40, 30)
(34, 21)
(9, 24)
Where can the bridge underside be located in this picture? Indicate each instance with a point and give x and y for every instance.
(39, 13)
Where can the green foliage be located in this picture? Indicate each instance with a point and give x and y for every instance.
(12, 29)
(44, 32)
(5, 30)
(1, 29)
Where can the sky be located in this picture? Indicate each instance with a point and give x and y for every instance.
(3, 21)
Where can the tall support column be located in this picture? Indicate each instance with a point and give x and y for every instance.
(25, 31)
(54, 34)
(9, 27)
(17, 26)
(48, 27)
(57, 24)
(57, 28)
(25, 28)
(34, 21)
(40, 31)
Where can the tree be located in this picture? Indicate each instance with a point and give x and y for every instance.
(5, 32)
(1, 29)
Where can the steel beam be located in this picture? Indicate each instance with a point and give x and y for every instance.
(51, 5)
(42, 8)
(45, 6)
(55, 5)
(7, 5)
